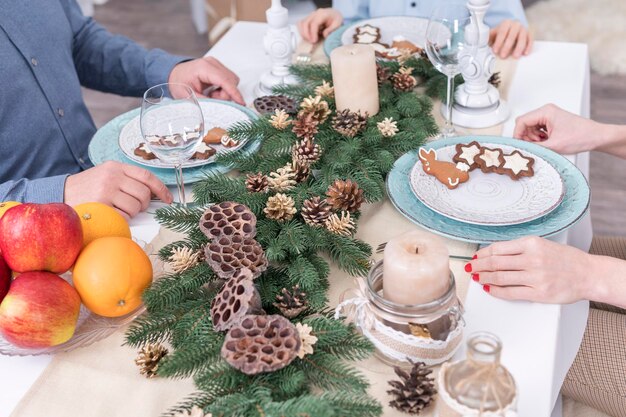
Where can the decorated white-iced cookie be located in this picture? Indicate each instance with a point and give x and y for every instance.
(467, 153)
(489, 160)
(228, 141)
(446, 172)
(366, 34)
(517, 165)
(144, 152)
(203, 151)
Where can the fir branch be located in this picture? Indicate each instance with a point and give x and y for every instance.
(178, 218)
(297, 91)
(172, 289)
(327, 371)
(352, 404)
(312, 73)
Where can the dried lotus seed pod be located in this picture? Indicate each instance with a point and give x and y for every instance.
(228, 254)
(228, 218)
(261, 344)
(237, 298)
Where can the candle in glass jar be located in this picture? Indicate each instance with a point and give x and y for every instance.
(416, 268)
(354, 78)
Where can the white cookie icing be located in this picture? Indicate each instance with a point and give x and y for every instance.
(516, 162)
(366, 38)
(468, 153)
(491, 158)
(399, 38)
(228, 141)
(203, 147)
(462, 166)
(144, 147)
(369, 29)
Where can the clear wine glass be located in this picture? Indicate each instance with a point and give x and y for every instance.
(172, 125)
(449, 49)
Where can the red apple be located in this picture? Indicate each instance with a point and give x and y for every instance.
(5, 278)
(40, 310)
(40, 237)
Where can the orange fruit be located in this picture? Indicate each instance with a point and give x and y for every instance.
(99, 220)
(111, 274)
(5, 205)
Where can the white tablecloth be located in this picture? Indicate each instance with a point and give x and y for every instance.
(540, 341)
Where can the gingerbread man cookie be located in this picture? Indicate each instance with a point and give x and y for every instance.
(517, 165)
(447, 173)
(490, 160)
(143, 152)
(466, 153)
(214, 136)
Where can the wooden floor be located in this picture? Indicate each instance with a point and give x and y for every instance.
(167, 24)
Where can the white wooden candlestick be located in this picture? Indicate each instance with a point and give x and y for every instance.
(279, 42)
(477, 103)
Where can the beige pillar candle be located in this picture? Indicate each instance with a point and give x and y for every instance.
(416, 268)
(354, 78)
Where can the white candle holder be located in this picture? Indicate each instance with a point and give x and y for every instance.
(429, 332)
(477, 103)
(279, 43)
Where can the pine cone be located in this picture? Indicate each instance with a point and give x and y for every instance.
(148, 359)
(184, 258)
(403, 80)
(282, 179)
(280, 207)
(349, 123)
(315, 211)
(345, 195)
(257, 183)
(305, 126)
(415, 391)
(387, 127)
(280, 119)
(325, 90)
(291, 303)
(306, 152)
(343, 225)
(382, 73)
(495, 79)
(315, 106)
(301, 171)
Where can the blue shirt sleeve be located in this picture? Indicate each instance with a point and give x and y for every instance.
(113, 63)
(500, 10)
(42, 190)
(353, 9)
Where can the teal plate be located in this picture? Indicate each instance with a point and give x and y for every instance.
(104, 147)
(574, 205)
(334, 39)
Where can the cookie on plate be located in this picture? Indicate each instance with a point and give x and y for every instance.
(446, 173)
(465, 153)
(517, 165)
(214, 136)
(490, 160)
(401, 43)
(203, 152)
(143, 152)
(229, 142)
(366, 34)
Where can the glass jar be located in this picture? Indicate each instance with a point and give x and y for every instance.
(479, 383)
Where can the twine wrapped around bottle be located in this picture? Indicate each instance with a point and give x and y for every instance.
(391, 343)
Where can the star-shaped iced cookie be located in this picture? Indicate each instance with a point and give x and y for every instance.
(366, 34)
(517, 165)
(466, 153)
(489, 160)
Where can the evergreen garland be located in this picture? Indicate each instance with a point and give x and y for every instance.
(178, 313)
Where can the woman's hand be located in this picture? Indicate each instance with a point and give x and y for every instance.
(559, 130)
(510, 38)
(533, 269)
(322, 21)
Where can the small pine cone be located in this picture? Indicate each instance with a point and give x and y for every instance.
(403, 80)
(325, 90)
(315, 211)
(280, 119)
(257, 183)
(306, 152)
(387, 127)
(184, 258)
(302, 172)
(280, 207)
(382, 73)
(148, 359)
(291, 303)
(282, 179)
(349, 123)
(414, 391)
(315, 106)
(345, 195)
(495, 79)
(305, 126)
(343, 226)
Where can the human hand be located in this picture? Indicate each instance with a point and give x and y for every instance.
(510, 38)
(557, 129)
(322, 21)
(126, 187)
(206, 72)
(534, 269)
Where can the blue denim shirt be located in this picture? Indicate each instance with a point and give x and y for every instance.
(48, 49)
(498, 11)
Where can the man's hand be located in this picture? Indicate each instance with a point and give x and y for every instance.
(126, 187)
(206, 72)
(510, 38)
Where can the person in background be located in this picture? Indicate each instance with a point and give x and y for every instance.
(540, 270)
(509, 36)
(48, 50)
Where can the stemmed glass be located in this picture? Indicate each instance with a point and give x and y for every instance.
(172, 125)
(449, 49)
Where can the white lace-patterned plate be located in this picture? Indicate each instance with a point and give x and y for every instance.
(491, 199)
(215, 114)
